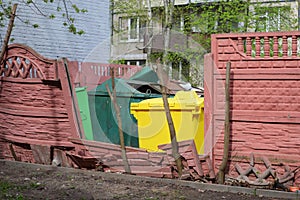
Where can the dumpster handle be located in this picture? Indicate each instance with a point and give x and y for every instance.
(148, 92)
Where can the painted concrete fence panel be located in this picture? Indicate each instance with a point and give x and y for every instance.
(265, 101)
(91, 74)
(39, 112)
(36, 106)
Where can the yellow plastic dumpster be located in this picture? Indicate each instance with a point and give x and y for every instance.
(187, 114)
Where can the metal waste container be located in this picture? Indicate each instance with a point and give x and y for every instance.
(103, 117)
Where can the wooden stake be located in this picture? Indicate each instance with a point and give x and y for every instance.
(221, 176)
(8, 32)
(113, 98)
(11, 148)
(173, 138)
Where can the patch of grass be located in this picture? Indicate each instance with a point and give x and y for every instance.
(35, 185)
(164, 193)
(182, 197)
(5, 186)
(6, 189)
(152, 198)
(58, 174)
(72, 187)
(19, 197)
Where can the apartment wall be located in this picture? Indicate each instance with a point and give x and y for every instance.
(53, 40)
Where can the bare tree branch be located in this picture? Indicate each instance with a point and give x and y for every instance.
(146, 45)
(36, 7)
(8, 33)
(66, 10)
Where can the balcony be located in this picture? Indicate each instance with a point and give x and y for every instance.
(178, 42)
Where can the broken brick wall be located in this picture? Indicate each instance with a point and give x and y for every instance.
(265, 101)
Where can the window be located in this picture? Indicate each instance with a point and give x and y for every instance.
(136, 62)
(132, 29)
(178, 23)
(274, 18)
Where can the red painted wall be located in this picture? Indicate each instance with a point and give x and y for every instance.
(265, 101)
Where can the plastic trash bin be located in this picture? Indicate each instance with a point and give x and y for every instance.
(187, 110)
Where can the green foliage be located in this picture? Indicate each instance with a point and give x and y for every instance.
(35, 25)
(274, 18)
(51, 16)
(199, 21)
(71, 19)
(176, 58)
(121, 62)
(76, 8)
(69, 22)
(72, 29)
(223, 16)
(80, 32)
(6, 188)
(48, 1)
(128, 7)
(233, 16)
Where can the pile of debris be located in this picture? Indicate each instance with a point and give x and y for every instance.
(107, 157)
(268, 179)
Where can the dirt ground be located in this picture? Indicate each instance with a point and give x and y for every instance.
(26, 181)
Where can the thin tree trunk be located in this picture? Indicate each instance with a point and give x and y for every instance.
(173, 138)
(149, 33)
(221, 176)
(8, 32)
(113, 98)
(169, 7)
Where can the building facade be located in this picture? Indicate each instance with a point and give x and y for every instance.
(41, 26)
(130, 39)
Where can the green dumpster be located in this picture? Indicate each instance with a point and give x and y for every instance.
(83, 104)
(103, 117)
(146, 75)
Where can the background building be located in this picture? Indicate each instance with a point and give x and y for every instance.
(193, 23)
(51, 37)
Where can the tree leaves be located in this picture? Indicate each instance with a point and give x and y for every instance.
(51, 16)
(69, 22)
(35, 25)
